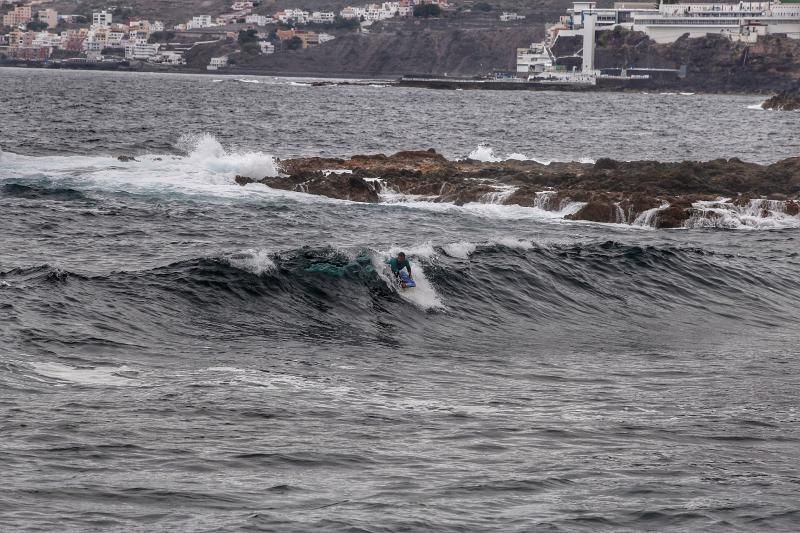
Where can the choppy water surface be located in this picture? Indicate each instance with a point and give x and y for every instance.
(181, 353)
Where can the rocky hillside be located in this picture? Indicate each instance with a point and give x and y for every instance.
(421, 51)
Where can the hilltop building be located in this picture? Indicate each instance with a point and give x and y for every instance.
(18, 16)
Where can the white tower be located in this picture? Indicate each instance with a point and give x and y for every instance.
(588, 41)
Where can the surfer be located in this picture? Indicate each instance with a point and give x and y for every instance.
(399, 263)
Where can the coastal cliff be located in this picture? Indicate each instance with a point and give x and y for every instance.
(663, 195)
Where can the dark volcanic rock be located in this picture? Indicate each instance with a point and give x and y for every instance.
(599, 209)
(673, 216)
(788, 100)
(613, 191)
(340, 186)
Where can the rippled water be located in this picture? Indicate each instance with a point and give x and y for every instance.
(181, 353)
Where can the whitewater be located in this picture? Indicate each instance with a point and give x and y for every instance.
(179, 352)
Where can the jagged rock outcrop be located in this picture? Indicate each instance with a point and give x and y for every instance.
(646, 192)
(788, 100)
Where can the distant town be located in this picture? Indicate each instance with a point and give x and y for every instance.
(241, 38)
(45, 35)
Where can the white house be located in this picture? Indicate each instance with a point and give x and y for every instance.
(259, 20)
(266, 47)
(508, 17)
(171, 58)
(217, 63)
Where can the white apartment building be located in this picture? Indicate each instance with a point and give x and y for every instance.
(351, 12)
(141, 50)
(46, 39)
(322, 17)
(200, 21)
(50, 17)
(114, 39)
(102, 18)
(297, 15)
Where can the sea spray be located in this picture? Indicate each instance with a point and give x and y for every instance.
(256, 261)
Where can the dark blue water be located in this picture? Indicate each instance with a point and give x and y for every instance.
(178, 353)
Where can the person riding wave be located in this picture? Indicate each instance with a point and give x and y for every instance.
(399, 263)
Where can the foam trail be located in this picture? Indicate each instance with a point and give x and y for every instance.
(97, 376)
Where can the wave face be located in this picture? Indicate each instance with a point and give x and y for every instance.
(178, 352)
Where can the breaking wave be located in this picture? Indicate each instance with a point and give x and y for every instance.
(332, 293)
(201, 166)
(487, 154)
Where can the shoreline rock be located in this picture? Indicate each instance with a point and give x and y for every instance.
(659, 194)
(788, 100)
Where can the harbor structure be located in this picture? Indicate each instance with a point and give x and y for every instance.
(666, 23)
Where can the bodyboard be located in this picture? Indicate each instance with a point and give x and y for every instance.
(406, 282)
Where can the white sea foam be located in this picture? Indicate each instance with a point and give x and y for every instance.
(511, 242)
(461, 250)
(96, 376)
(757, 214)
(649, 217)
(757, 107)
(255, 261)
(487, 154)
(207, 168)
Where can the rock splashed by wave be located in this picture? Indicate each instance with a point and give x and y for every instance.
(639, 193)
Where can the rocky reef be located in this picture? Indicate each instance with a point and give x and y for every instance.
(651, 193)
(788, 100)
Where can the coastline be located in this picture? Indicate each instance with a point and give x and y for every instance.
(397, 80)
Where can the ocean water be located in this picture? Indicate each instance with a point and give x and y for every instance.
(179, 353)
